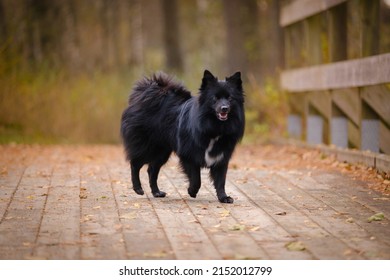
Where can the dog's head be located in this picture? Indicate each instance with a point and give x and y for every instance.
(222, 98)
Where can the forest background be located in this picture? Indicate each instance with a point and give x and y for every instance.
(68, 66)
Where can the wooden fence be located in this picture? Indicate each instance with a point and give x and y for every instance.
(337, 60)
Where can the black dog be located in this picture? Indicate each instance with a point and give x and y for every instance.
(203, 131)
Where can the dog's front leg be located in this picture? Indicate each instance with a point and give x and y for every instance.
(218, 175)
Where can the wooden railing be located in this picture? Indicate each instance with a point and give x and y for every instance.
(337, 57)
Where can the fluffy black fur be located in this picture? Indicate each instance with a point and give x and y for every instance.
(203, 131)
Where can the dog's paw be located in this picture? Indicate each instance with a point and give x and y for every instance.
(192, 193)
(159, 194)
(226, 199)
(139, 191)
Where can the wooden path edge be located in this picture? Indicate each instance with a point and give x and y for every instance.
(380, 162)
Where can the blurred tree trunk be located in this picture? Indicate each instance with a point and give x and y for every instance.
(277, 32)
(235, 52)
(136, 44)
(3, 28)
(171, 36)
(243, 36)
(69, 40)
(272, 39)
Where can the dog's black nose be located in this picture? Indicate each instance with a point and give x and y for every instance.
(225, 109)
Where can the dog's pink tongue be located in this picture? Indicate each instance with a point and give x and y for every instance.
(223, 116)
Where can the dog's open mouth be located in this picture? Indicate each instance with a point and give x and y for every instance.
(222, 116)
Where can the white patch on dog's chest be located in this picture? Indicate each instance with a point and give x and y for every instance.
(211, 160)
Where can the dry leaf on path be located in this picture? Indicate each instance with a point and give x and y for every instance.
(161, 254)
(224, 213)
(295, 246)
(237, 228)
(376, 217)
(129, 216)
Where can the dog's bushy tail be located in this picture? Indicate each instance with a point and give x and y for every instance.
(158, 83)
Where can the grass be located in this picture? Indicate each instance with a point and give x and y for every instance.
(55, 108)
(265, 112)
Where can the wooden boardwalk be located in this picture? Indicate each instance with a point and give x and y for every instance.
(67, 202)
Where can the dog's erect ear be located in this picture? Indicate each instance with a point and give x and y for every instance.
(235, 80)
(208, 78)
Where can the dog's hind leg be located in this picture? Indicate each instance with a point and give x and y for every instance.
(136, 166)
(153, 171)
(218, 175)
(193, 174)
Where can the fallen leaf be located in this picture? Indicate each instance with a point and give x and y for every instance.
(129, 216)
(295, 246)
(4, 171)
(83, 196)
(224, 213)
(376, 217)
(381, 198)
(254, 229)
(87, 218)
(160, 254)
(349, 220)
(237, 228)
(136, 206)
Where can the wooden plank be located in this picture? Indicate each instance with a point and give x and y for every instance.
(9, 181)
(363, 236)
(313, 45)
(295, 46)
(301, 9)
(298, 103)
(366, 201)
(337, 35)
(382, 163)
(259, 189)
(310, 218)
(24, 213)
(354, 136)
(349, 103)
(59, 233)
(352, 73)
(378, 97)
(356, 157)
(369, 10)
(144, 235)
(322, 102)
(384, 138)
(188, 238)
(222, 221)
(336, 209)
(288, 45)
(101, 235)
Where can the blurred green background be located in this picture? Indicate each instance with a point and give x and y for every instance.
(68, 66)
